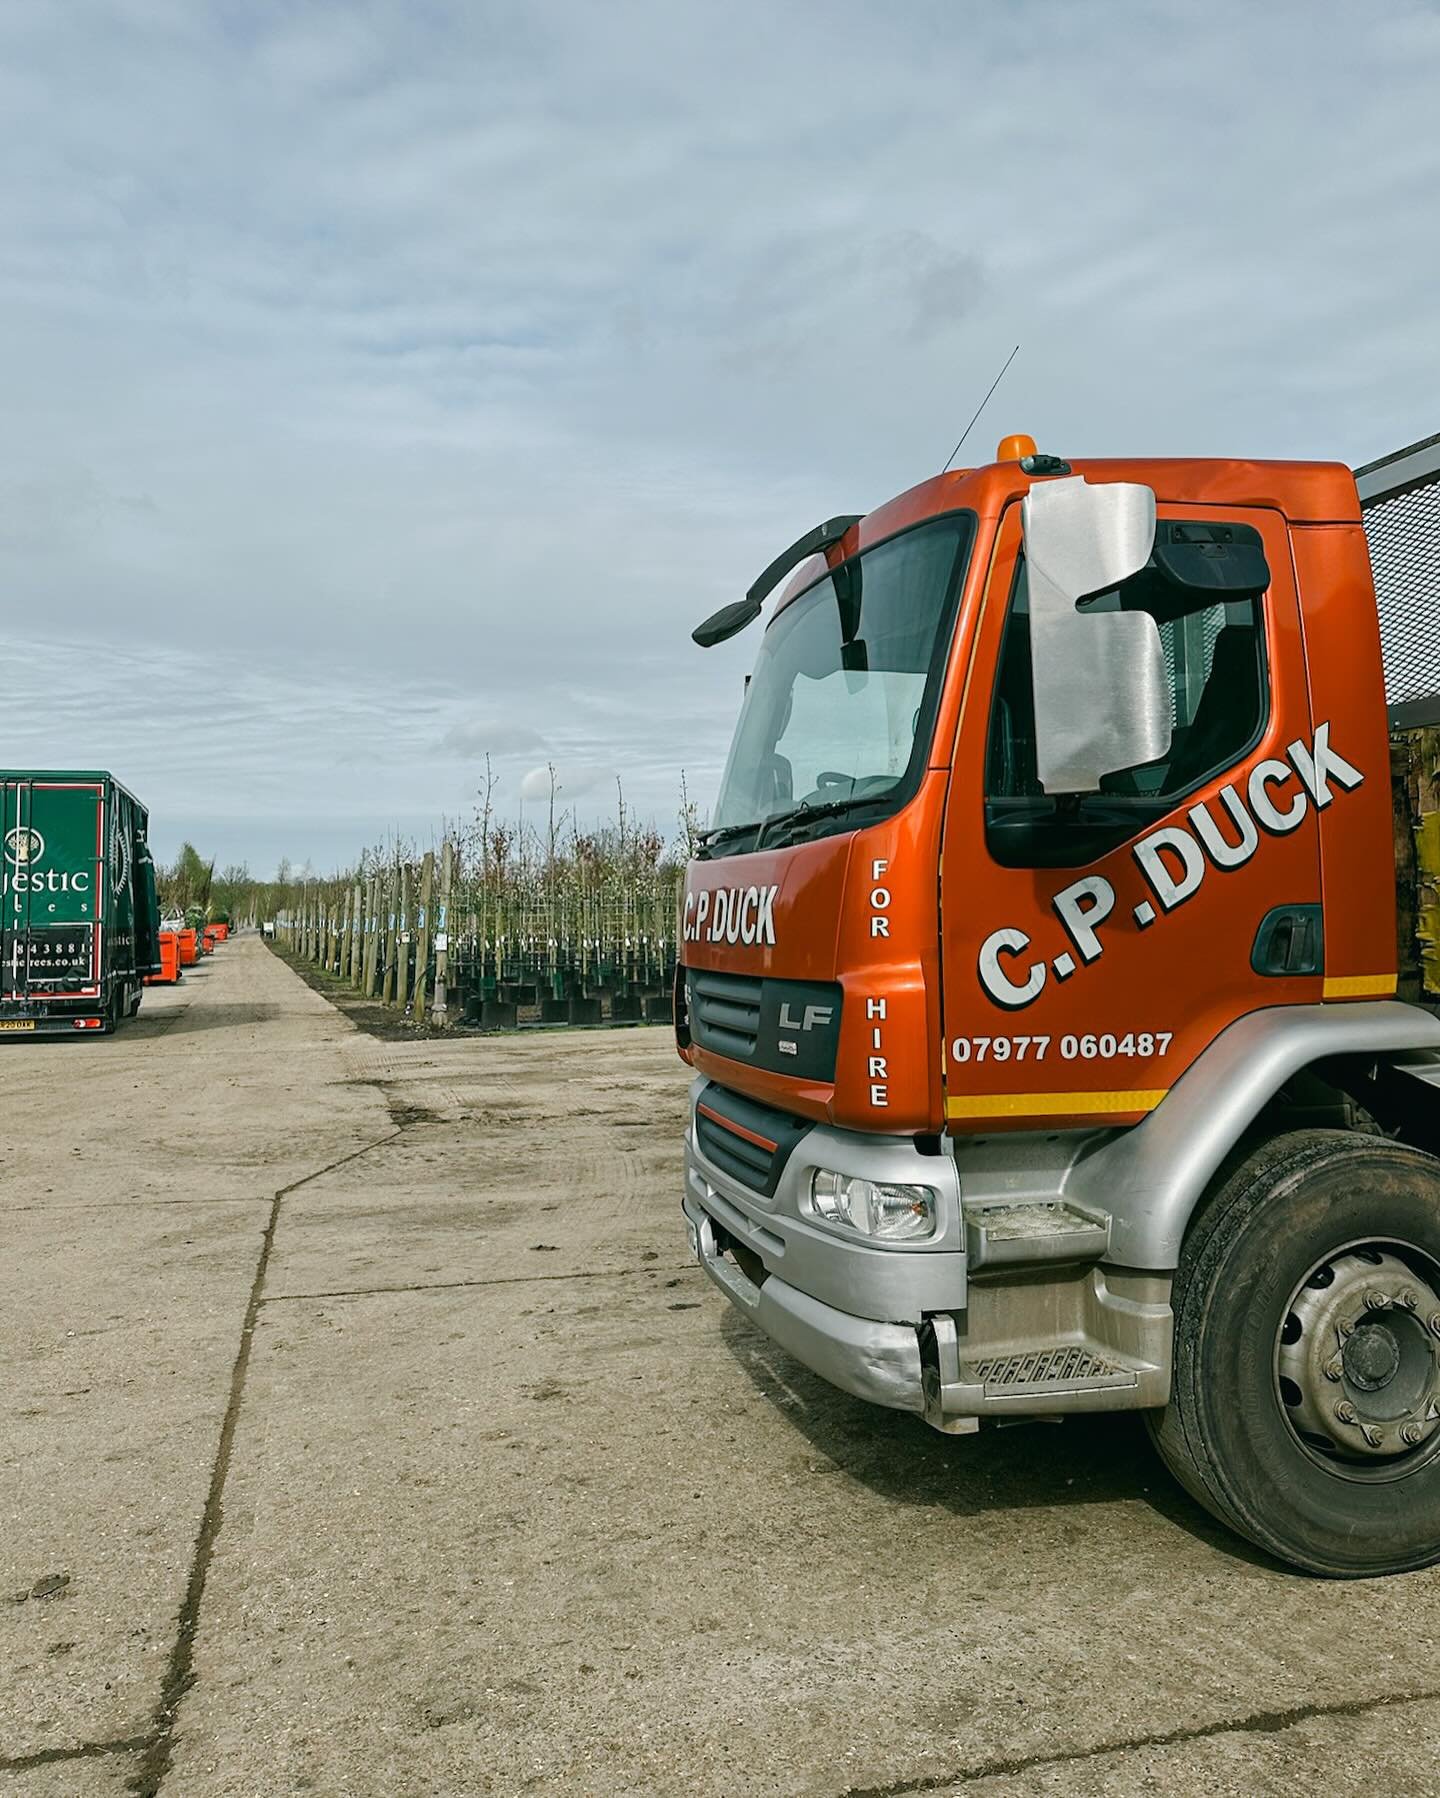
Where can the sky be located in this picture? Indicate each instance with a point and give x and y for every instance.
(386, 385)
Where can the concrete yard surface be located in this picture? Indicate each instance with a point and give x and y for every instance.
(366, 1430)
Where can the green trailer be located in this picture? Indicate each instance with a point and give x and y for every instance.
(80, 923)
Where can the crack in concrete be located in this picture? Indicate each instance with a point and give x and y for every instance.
(259, 1198)
(1257, 1723)
(363, 1292)
(180, 1672)
(86, 1751)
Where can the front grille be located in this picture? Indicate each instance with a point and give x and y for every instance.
(725, 1012)
(743, 1160)
(745, 1139)
(784, 1026)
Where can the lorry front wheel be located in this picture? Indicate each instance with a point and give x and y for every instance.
(1305, 1405)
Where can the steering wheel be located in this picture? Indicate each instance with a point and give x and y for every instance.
(830, 785)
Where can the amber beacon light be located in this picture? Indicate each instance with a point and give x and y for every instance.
(1015, 449)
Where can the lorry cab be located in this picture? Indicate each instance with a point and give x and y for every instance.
(1052, 868)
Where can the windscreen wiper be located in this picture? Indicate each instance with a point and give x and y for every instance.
(805, 812)
(724, 833)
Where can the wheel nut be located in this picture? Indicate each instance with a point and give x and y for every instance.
(1411, 1433)
(1345, 1411)
(1371, 1434)
(1409, 1298)
(1334, 1369)
(1346, 1328)
(1377, 1300)
(1435, 1324)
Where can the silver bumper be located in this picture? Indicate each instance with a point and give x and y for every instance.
(850, 1311)
(903, 1325)
(875, 1361)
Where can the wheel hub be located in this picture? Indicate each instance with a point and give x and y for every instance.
(1358, 1363)
(1371, 1358)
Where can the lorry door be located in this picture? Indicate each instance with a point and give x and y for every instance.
(147, 905)
(122, 922)
(54, 843)
(1092, 948)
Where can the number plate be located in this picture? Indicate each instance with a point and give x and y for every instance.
(17, 1023)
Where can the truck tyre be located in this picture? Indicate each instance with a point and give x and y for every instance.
(1305, 1406)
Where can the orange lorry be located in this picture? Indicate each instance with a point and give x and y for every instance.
(1039, 973)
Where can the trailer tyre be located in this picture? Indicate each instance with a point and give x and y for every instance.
(1305, 1406)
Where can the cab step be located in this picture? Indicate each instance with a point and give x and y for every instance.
(1053, 1381)
(1066, 1367)
(1003, 1233)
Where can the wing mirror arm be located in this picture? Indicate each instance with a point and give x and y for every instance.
(730, 620)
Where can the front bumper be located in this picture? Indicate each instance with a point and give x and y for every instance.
(876, 1361)
(904, 1325)
(851, 1311)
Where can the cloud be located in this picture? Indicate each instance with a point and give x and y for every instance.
(572, 781)
(424, 375)
(60, 508)
(475, 741)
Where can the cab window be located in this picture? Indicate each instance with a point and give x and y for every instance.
(1215, 664)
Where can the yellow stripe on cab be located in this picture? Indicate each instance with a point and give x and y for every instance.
(1052, 1104)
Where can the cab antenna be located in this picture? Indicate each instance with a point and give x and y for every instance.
(980, 408)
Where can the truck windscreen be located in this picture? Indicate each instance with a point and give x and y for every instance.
(838, 712)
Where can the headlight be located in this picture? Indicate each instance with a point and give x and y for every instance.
(874, 1208)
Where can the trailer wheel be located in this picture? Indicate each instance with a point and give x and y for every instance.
(1305, 1407)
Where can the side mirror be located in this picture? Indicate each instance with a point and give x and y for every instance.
(1102, 701)
(727, 622)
